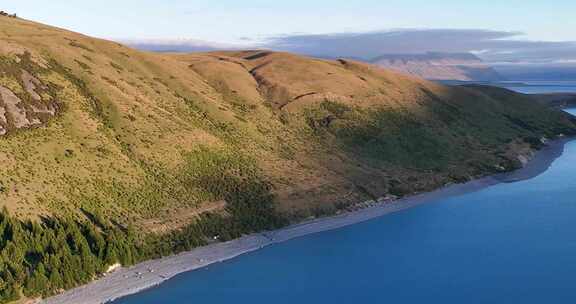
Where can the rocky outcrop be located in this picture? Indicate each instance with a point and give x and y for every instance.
(26, 108)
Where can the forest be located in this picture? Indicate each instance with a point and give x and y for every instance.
(42, 258)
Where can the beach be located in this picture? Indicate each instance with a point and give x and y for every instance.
(126, 281)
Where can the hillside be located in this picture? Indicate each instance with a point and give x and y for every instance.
(439, 66)
(114, 155)
(557, 100)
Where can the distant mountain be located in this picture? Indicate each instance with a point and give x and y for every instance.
(440, 66)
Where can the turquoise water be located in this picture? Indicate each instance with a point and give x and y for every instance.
(509, 243)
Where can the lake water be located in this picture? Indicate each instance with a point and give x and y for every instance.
(536, 87)
(510, 243)
(528, 87)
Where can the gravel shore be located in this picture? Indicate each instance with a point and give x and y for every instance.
(126, 281)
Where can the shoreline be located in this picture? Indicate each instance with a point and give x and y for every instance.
(128, 281)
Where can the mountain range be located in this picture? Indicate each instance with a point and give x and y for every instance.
(440, 66)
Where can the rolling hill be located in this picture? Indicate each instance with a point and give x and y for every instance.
(112, 155)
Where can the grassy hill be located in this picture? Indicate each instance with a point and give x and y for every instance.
(114, 155)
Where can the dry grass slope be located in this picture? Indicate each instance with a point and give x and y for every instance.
(92, 125)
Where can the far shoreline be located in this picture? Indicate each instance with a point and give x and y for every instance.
(149, 274)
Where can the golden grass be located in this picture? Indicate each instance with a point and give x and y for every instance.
(129, 117)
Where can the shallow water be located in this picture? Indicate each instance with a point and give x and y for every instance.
(509, 243)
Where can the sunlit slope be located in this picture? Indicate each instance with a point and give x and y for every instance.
(123, 119)
(384, 132)
(92, 127)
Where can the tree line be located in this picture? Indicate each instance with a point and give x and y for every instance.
(46, 257)
(43, 258)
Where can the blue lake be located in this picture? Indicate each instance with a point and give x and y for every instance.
(528, 87)
(509, 243)
(536, 87)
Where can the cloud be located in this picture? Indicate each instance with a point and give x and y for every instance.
(177, 45)
(493, 46)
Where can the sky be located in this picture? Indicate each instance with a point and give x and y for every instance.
(300, 25)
